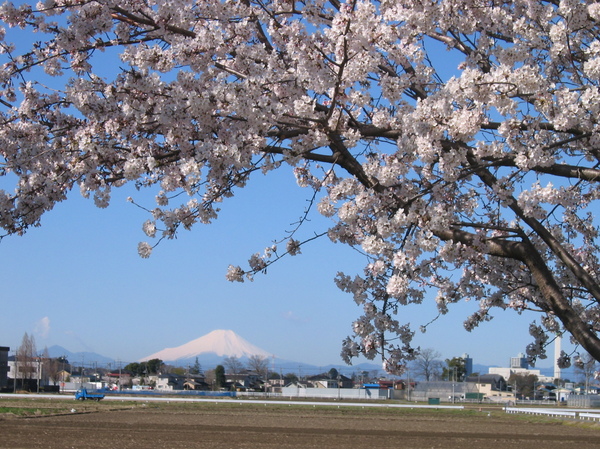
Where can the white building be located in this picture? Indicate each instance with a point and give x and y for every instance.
(24, 370)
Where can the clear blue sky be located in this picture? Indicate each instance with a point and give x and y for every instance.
(78, 282)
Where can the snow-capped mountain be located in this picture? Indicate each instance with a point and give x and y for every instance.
(222, 343)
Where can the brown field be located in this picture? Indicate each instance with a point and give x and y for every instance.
(51, 424)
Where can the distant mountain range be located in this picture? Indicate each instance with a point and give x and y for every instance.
(212, 348)
(79, 358)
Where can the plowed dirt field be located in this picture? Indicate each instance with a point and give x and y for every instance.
(232, 426)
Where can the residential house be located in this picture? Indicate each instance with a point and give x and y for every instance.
(195, 383)
(492, 387)
(546, 390)
(27, 374)
(244, 381)
(394, 384)
(324, 381)
(275, 384)
(167, 382)
(63, 376)
(591, 389)
(18, 369)
(300, 384)
(117, 379)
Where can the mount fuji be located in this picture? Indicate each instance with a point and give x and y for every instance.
(216, 344)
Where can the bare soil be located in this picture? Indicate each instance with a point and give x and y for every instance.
(61, 424)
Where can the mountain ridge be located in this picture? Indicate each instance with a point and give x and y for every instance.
(213, 347)
(78, 357)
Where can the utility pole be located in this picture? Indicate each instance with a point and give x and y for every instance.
(39, 372)
(408, 383)
(15, 366)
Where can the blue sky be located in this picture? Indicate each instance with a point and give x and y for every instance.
(78, 282)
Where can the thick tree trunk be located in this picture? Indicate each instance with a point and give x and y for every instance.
(556, 302)
(559, 305)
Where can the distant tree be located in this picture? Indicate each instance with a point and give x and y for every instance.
(260, 364)
(26, 356)
(220, 380)
(333, 373)
(135, 368)
(209, 377)
(196, 368)
(523, 384)
(427, 365)
(178, 370)
(290, 378)
(233, 364)
(153, 366)
(585, 368)
(167, 369)
(455, 369)
(50, 367)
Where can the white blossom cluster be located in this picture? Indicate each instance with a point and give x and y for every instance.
(455, 143)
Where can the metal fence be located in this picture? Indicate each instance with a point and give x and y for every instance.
(336, 393)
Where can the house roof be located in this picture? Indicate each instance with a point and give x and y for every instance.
(445, 386)
(485, 378)
(194, 383)
(170, 376)
(326, 376)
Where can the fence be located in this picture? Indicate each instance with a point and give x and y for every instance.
(584, 400)
(590, 416)
(336, 393)
(556, 413)
(542, 412)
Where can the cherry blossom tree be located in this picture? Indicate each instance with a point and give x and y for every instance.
(453, 142)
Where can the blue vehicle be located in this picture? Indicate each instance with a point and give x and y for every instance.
(83, 394)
